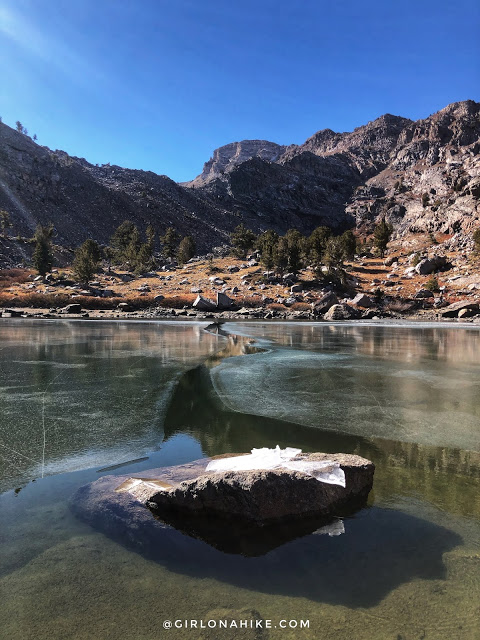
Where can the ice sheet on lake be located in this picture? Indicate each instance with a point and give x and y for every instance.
(324, 471)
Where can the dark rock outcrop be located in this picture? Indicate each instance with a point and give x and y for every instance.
(323, 304)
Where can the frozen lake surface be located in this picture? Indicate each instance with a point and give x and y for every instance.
(79, 397)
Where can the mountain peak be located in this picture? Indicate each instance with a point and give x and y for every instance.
(228, 156)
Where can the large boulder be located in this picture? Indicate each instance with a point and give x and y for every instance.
(263, 495)
(430, 265)
(203, 304)
(362, 300)
(452, 311)
(424, 293)
(323, 304)
(72, 308)
(191, 499)
(341, 312)
(224, 303)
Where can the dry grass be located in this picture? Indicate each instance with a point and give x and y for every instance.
(249, 301)
(300, 306)
(56, 300)
(9, 277)
(177, 302)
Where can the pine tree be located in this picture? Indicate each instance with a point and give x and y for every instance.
(280, 255)
(121, 241)
(4, 221)
(170, 243)
(186, 249)
(243, 241)
(349, 244)
(334, 253)
(296, 248)
(381, 236)
(86, 260)
(316, 245)
(266, 244)
(42, 254)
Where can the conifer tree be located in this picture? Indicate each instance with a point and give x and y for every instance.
(266, 244)
(243, 241)
(86, 260)
(186, 249)
(42, 254)
(170, 243)
(381, 236)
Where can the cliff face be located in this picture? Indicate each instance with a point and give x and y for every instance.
(423, 176)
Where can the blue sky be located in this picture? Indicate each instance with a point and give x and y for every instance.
(157, 85)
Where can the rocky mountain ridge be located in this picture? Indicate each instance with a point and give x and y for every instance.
(382, 168)
(424, 176)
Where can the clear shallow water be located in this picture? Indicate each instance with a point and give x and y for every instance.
(408, 566)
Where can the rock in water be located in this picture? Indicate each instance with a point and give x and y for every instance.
(256, 496)
(266, 495)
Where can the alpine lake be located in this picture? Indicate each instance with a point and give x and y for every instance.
(81, 399)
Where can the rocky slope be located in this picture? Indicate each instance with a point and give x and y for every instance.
(83, 200)
(423, 176)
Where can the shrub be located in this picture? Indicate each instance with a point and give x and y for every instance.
(249, 301)
(378, 295)
(476, 239)
(177, 302)
(432, 284)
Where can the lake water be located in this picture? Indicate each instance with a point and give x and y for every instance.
(78, 398)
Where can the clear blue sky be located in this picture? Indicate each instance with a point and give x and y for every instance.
(158, 84)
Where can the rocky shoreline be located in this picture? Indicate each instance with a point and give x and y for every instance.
(159, 314)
